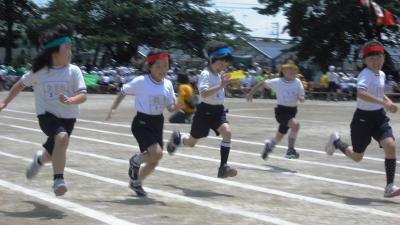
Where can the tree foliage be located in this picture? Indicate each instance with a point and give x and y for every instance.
(13, 16)
(119, 27)
(328, 30)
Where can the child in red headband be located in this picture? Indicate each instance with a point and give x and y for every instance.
(370, 118)
(153, 94)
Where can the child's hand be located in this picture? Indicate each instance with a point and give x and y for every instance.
(389, 106)
(112, 111)
(64, 99)
(249, 98)
(300, 98)
(179, 107)
(225, 79)
(393, 108)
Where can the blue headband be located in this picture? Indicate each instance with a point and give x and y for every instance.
(220, 52)
(57, 42)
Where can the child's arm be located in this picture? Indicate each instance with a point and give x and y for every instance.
(364, 95)
(301, 98)
(249, 96)
(77, 99)
(386, 102)
(392, 108)
(115, 105)
(177, 107)
(15, 90)
(212, 90)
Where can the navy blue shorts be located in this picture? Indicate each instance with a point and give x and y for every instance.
(283, 114)
(207, 117)
(51, 126)
(148, 130)
(367, 124)
(332, 86)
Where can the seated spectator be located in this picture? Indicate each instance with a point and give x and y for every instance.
(186, 99)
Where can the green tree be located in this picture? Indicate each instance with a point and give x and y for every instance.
(327, 30)
(13, 15)
(190, 24)
(121, 26)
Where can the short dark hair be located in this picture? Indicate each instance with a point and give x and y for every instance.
(213, 46)
(44, 58)
(182, 78)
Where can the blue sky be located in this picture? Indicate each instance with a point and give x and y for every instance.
(260, 26)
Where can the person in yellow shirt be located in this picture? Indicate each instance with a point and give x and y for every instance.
(185, 98)
(323, 81)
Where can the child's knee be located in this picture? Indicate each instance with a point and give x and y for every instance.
(155, 156)
(358, 157)
(62, 138)
(227, 134)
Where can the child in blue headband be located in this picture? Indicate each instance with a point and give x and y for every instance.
(210, 112)
(59, 89)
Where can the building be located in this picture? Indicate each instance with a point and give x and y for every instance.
(266, 51)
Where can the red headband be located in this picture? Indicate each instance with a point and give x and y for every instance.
(153, 58)
(375, 48)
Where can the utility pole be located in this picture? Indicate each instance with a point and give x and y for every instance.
(275, 30)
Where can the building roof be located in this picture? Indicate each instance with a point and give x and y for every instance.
(271, 49)
(394, 54)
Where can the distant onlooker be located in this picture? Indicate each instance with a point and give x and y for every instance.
(333, 79)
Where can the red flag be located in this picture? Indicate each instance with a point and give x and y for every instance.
(380, 17)
(389, 19)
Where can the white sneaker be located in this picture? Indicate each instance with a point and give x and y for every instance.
(330, 147)
(59, 187)
(34, 166)
(391, 190)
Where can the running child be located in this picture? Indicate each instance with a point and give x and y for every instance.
(210, 112)
(58, 88)
(369, 119)
(289, 90)
(153, 94)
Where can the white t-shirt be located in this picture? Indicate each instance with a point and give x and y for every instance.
(287, 91)
(207, 80)
(332, 77)
(49, 83)
(373, 84)
(152, 97)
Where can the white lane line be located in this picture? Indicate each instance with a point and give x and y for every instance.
(232, 163)
(272, 102)
(258, 189)
(222, 208)
(248, 109)
(214, 138)
(273, 119)
(71, 206)
(236, 151)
